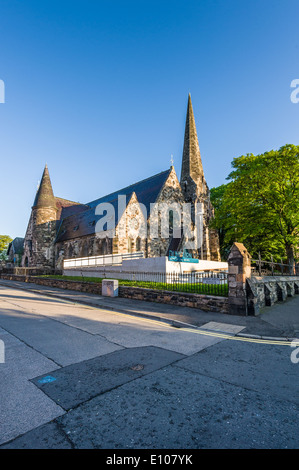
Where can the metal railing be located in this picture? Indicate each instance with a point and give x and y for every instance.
(273, 268)
(102, 260)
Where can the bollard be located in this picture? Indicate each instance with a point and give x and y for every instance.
(110, 288)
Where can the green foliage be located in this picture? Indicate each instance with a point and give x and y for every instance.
(221, 221)
(4, 242)
(260, 204)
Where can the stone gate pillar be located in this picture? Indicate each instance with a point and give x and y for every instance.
(239, 268)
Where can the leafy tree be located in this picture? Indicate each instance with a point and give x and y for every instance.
(221, 222)
(260, 204)
(4, 242)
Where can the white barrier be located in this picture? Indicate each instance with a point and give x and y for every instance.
(103, 260)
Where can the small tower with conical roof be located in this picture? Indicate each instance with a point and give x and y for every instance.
(195, 188)
(41, 231)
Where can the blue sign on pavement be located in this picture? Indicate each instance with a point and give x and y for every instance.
(46, 380)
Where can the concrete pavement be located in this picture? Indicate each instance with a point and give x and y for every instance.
(49, 333)
(81, 376)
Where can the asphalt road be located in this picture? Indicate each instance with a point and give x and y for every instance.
(78, 376)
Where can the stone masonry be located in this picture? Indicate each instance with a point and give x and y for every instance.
(248, 294)
(239, 269)
(41, 232)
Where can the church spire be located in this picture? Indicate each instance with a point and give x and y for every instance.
(192, 170)
(44, 196)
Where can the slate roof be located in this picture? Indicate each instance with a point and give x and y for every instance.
(146, 190)
(83, 223)
(66, 207)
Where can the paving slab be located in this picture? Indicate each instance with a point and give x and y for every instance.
(58, 342)
(283, 316)
(75, 384)
(22, 405)
(48, 436)
(21, 360)
(222, 327)
(158, 412)
(129, 334)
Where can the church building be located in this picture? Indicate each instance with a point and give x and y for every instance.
(60, 229)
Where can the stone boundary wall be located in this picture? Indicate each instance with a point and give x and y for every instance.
(207, 303)
(266, 291)
(89, 287)
(247, 294)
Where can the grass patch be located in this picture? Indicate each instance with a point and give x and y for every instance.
(195, 288)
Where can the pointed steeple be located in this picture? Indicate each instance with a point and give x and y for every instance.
(44, 196)
(192, 169)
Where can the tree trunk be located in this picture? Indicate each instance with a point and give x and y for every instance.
(290, 257)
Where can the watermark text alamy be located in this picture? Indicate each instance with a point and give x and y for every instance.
(2, 92)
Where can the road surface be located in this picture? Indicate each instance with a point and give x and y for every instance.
(76, 376)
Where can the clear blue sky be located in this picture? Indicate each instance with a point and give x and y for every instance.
(98, 91)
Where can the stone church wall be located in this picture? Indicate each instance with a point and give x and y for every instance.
(127, 235)
(39, 239)
(170, 193)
